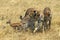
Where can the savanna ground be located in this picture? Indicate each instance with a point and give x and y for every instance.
(12, 9)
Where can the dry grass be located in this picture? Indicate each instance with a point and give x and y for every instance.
(12, 9)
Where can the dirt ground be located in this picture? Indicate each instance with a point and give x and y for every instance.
(12, 9)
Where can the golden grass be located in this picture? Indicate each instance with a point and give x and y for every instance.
(12, 9)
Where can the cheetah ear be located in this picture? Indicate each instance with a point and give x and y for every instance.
(21, 17)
